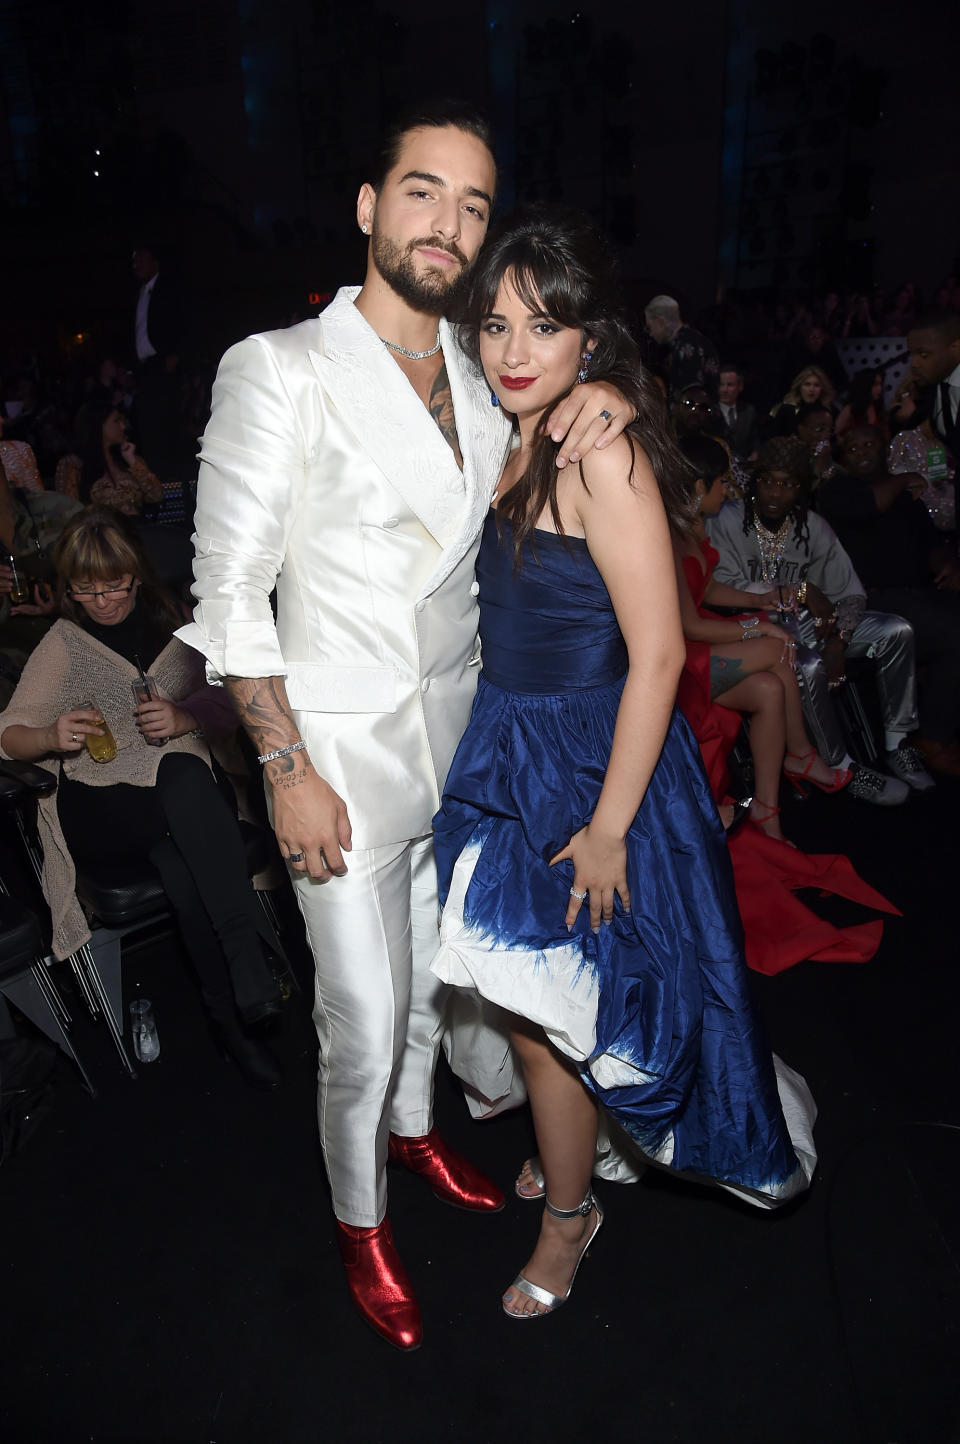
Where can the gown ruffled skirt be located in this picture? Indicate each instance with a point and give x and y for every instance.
(653, 1009)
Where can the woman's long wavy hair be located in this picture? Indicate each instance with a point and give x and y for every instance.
(560, 265)
(860, 396)
(100, 545)
(828, 392)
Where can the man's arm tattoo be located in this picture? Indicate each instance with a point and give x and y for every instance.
(441, 409)
(264, 712)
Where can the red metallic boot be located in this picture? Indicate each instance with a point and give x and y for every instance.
(453, 1179)
(379, 1285)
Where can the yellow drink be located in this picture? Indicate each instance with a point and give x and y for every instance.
(101, 749)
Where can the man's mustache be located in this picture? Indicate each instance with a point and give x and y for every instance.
(435, 244)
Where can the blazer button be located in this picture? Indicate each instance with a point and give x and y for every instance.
(425, 685)
(419, 606)
(474, 589)
(391, 521)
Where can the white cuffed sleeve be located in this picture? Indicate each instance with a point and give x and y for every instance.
(252, 468)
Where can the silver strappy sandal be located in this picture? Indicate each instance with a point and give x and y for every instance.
(536, 1173)
(543, 1296)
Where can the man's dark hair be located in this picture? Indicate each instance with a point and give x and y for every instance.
(946, 324)
(436, 113)
(733, 366)
(783, 453)
(806, 409)
(708, 460)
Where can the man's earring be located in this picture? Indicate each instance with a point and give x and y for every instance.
(584, 371)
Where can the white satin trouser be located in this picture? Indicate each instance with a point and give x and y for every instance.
(378, 1013)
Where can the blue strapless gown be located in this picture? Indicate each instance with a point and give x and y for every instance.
(654, 1009)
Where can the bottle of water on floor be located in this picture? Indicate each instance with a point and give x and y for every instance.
(143, 1024)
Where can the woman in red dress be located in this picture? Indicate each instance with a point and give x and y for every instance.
(744, 665)
(740, 664)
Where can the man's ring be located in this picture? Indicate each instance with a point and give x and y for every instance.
(295, 857)
(578, 895)
(74, 737)
(606, 416)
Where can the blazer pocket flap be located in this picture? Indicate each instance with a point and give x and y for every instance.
(322, 688)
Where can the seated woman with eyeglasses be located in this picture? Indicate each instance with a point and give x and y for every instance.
(157, 796)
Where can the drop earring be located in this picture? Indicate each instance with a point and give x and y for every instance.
(584, 371)
(493, 399)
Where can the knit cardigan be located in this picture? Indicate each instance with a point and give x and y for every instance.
(68, 668)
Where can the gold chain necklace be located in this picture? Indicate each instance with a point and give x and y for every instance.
(772, 546)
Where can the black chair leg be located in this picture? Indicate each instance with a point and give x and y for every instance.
(101, 958)
(27, 994)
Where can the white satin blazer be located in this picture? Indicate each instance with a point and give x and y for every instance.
(323, 474)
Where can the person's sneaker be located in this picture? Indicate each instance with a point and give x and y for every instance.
(907, 764)
(869, 786)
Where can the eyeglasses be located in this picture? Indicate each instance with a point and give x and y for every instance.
(778, 485)
(109, 592)
(697, 405)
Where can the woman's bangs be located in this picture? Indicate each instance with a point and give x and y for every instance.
(543, 284)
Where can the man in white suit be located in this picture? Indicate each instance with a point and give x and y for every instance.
(350, 461)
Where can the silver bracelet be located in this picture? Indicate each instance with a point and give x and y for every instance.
(748, 623)
(282, 752)
(750, 633)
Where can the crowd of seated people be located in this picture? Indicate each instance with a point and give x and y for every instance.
(68, 438)
(848, 507)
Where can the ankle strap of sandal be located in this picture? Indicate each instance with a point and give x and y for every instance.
(583, 1209)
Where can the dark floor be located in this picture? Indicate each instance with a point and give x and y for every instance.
(169, 1271)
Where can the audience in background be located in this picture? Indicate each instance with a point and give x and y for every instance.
(743, 664)
(772, 540)
(935, 363)
(813, 347)
(812, 424)
(108, 472)
(740, 664)
(808, 386)
(864, 405)
(692, 358)
(160, 798)
(908, 568)
(19, 463)
(158, 340)
(30, 523)
(739, 416)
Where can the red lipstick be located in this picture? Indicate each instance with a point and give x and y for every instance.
(516, 383)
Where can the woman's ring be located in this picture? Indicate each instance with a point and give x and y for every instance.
(578, 895)
(295, 857)
(606, 416)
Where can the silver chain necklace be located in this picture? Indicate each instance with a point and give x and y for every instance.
(772, 546)
(413, 355)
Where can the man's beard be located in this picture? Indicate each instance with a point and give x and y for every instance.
(435, 291)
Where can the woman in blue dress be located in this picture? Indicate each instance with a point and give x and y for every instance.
(583, 868)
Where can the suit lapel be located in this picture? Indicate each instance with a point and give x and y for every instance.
(484, 437)
(389, 421)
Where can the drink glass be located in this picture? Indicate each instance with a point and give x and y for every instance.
(143, 1025)
(101, 749)
(20, 585)
(144, 689)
